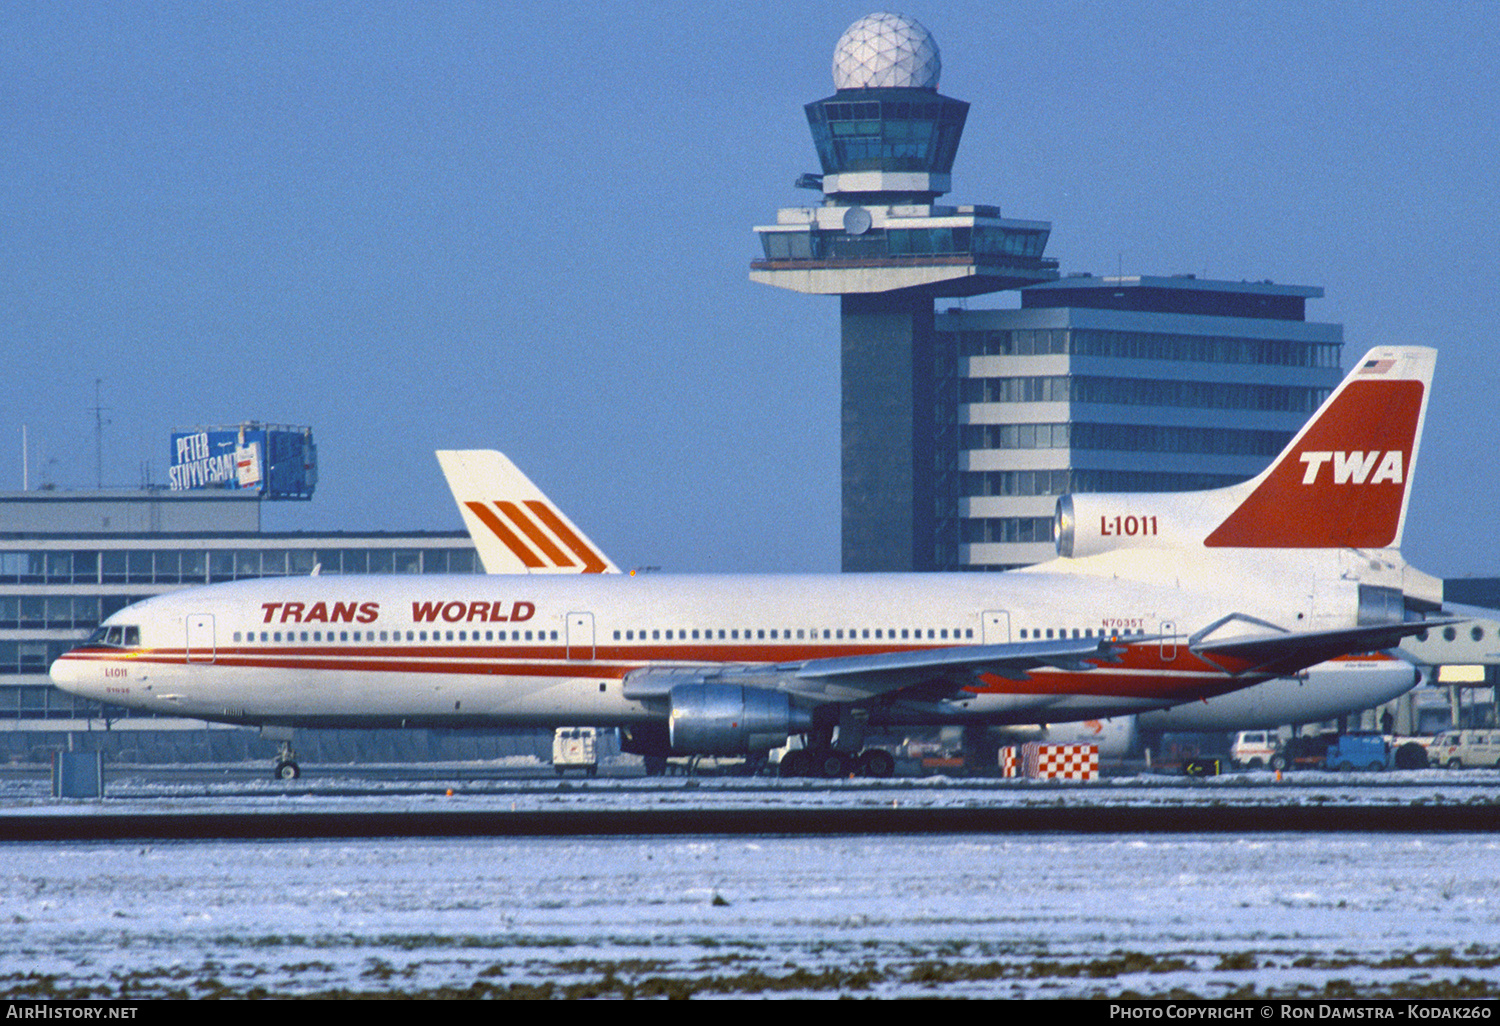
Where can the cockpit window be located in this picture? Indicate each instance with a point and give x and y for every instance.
(118, 635)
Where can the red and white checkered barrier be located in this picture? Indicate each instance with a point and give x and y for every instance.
(1036, 761)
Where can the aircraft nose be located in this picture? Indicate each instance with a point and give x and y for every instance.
(67, 674)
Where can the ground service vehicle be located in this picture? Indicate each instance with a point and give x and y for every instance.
(1459, 748)
(1358, 752)
(575, 748)
(1253, 749)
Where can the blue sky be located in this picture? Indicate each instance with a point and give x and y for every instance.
(528, 227)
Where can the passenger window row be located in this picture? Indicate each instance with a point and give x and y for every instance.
(801, 634)
(389, 637)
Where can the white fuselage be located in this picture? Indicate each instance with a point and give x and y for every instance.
(548, 650)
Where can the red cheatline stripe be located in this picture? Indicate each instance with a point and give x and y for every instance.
(1146, 682)
(524, 554)
(552, 552)
(592, 564)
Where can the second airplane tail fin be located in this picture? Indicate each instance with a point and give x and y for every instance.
(1345, 479)
(515, 527)
(1342, 482)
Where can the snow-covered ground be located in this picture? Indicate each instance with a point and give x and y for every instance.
(1036, 916)
(974, 916)
(332, 790)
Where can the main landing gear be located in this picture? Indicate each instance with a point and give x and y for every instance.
(824, 757)
(832, 764)
(286, 767)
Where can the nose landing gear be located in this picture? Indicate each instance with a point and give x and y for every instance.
(286, 767)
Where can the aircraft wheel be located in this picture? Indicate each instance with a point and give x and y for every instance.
(286, 770)
(877, 763)
(1411, 756)
(833, 765)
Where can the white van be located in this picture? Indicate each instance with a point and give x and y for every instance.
(1252, 749)
(576, 748)
(1456, 748)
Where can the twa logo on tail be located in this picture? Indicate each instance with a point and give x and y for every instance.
(516, 528)
(1354, 466)
(1345, 479)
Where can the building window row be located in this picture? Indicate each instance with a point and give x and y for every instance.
(985, 483)
(41, 702)
(875, 135)
(204, 566)
(1015, 436)
(1124, 438)
(59, 612)
(905, 242)
(1132, 345)
(1212, 395)
(30, 656)
(977, 530)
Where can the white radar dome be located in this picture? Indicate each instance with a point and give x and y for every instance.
(886, 51)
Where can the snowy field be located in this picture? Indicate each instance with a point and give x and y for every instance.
(328, 789)
(977, 916)
(1281, 915)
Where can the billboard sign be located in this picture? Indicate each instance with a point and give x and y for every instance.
(271, 460)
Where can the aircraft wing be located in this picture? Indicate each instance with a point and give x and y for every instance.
(1283, 654)
(860, 677)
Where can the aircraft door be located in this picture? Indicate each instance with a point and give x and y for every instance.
(996, 627)
(580, 635)
(1168, 641)
(200, 638)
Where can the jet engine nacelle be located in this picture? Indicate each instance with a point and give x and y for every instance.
(1088, 524)
(730, 719)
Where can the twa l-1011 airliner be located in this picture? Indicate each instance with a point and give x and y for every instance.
(1155, 600)
(508, 517)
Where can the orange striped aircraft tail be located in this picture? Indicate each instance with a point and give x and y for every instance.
(516, 528)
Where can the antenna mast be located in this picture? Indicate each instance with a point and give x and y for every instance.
(99, 422)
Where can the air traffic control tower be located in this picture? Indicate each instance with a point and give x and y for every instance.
(886, 140)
